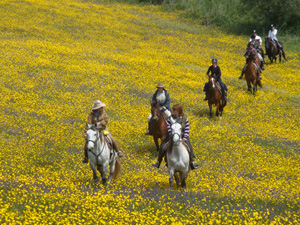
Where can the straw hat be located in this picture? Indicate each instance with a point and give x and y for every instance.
(160, 85)
(97, 105)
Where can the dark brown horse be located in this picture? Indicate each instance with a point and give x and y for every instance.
(252, 73)
(272, 50)
(214, 96)
(158, 125)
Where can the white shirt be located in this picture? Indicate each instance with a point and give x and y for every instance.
(258, 39)
(272, 34)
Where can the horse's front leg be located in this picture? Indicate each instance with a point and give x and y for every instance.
(249, 85)
(176, 179)
(183, 182)
(111, 170)
(210, 110)
(171, 174)
(254, 87)
(95, 176)
(103, 173)
(156, 142)
(217, 110)
(279, 57)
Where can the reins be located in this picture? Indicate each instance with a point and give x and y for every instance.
(95, 143)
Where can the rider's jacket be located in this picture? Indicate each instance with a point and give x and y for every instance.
(272, 34)
(184, 124)
(214, 70)
(162, 98)
(93, 118)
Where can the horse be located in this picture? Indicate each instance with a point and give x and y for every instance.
(101, 156)
(157, 125)
(272, 50)
(252, 73)
(214, 96)
(177, 157)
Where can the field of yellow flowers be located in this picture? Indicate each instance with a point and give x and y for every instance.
(58, 57)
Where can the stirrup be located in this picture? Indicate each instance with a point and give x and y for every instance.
(156, 165)
(120, 153)
(195, 165)
(85, 160)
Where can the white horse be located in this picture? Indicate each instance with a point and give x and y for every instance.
(101, 156)
(178, 158)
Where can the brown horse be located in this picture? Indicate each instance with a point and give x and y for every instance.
(251, 73)
(214, 96)
(158, 125)
(272, 50)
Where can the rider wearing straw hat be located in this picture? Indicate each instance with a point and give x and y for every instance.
(99, 118)
(162, 98)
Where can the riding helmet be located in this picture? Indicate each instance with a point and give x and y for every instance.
(214, 60)
(254, 31)
(272, 25)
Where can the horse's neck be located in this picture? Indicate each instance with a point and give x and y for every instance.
(100, 144)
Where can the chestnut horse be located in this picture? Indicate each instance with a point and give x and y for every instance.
(272, 50)
(158, 125)
(214, 96)
(251, 73)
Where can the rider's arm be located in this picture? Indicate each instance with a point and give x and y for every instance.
(154, 98)
(186, 129)
(209, 69)
(270, 34)
(168, 100)
(218, 72)
(103, 120)
(169, 126)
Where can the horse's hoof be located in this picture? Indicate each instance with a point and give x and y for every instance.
(96, 181)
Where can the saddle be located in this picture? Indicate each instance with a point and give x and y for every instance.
(168, 146)
(219, 87)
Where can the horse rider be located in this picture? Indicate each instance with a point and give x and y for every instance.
(162, 98)
(272, 34)
(178, 114)
(99, 118)
(256, 45)
(251, 49)
(259, 41)
(215, 69)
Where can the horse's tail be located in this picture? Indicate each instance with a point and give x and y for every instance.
(118, 168)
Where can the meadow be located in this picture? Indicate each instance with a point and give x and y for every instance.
(58, 57)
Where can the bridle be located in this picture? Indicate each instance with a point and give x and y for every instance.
(95, 146)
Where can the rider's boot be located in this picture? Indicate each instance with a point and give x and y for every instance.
(86, 159)
(161, 154)
(205, 99)
(243, 71)
(117, 149)
(224, 96)
(193, 163)
(148, 132)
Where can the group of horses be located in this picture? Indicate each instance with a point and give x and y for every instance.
(251, 73)
(103, 158)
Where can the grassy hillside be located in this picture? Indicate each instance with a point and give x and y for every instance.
(58, 57)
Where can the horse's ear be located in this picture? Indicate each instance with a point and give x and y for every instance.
(172, 120)
(89, 126)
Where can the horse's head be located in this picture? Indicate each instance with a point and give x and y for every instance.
(156, 113)
(212, 81)
(176, 131)
(92, 137)
(270, 45)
